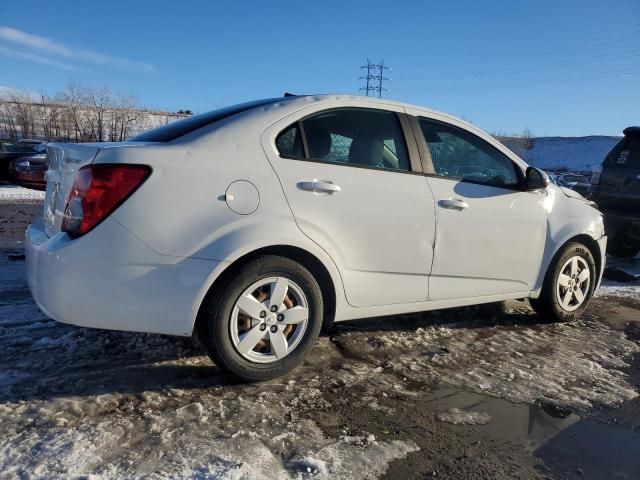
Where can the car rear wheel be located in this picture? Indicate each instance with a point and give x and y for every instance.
(261, 324)
(568, 285)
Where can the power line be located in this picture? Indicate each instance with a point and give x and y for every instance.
(561, 49)
(374, 78)
(545, 48)
(625, 72)
(555, 66)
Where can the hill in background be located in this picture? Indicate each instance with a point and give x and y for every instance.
(572, 154)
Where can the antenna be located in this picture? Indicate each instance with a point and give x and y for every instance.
(374, 78)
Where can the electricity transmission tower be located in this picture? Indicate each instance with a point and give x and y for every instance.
(374, 78)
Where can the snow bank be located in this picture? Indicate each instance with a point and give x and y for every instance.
(574, 154)
(10, 193)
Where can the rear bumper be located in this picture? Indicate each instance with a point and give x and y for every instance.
(109, 279)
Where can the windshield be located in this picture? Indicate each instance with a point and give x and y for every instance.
(182, 127)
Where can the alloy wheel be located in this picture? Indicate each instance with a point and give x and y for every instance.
(269, 319)
(572, 285)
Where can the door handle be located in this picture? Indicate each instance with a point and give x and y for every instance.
(317, 186)
(453, 204)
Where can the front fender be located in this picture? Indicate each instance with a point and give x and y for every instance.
(569, 218)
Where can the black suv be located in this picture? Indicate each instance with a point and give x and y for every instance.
(615, 187)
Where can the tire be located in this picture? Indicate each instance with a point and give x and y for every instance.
(227, 331)
(622, 246)
(552, 304)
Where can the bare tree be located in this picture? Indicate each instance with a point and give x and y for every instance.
(75, 100)
(7, 118)
(80, 113)
(24, 113)
(100, 103)
(517, 143)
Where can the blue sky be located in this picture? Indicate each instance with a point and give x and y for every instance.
(556, 67)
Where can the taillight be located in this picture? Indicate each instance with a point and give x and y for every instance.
(595, 175)
(97, 191)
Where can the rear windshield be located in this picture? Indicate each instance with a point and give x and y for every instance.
(179, 128)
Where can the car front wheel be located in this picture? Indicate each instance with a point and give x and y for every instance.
(568, 285)
(261, 324)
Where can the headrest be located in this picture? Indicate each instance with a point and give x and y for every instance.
(366, 149)
(318, 142)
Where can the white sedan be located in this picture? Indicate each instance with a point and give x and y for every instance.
(254, 225)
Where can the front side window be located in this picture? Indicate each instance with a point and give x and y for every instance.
(457, 153)
(351, 136)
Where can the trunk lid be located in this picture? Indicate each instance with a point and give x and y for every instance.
(64, 161)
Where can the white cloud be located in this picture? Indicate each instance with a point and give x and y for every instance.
(8, 92)
(10, 52)
(50, 46)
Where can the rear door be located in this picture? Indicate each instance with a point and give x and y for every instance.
(349, 180)
(620, 178)
(490, 234)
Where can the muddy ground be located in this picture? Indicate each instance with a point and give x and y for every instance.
(484, 392)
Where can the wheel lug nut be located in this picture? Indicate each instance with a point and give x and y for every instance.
(274, 308)
(263, 314)
(263, 327)
(280, 317)
(274, 329)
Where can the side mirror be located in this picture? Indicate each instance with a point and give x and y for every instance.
(536, 179)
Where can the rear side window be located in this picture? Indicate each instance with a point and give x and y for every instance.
(182, 127)
(289, 143)
(350, 136)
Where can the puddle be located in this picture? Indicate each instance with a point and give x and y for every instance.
(590, 449)
(564, 444)
(529, 425)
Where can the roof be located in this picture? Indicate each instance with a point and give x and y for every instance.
(632, 132)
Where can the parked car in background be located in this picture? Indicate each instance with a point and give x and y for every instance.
(615, 187)
(9, 151)
(553, 177)
(256, 224)
(29, 170)
(32, 141)
(574, 181)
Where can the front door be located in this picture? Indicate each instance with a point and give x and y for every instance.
(490, 234)
(346, 174)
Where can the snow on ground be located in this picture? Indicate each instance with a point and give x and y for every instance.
(575, 154)
(618, 289)
(462, 417)
(575, 365)
(11, 193)
(79, 402)
(76, 402)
